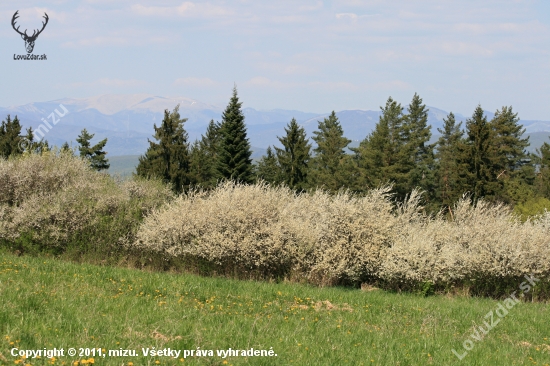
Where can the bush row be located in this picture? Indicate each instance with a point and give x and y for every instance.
(54, 203)
(343, 239)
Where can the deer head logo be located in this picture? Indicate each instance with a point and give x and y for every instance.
(29, 40)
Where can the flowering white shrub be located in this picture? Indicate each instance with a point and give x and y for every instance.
(55, 198)
(483, 241)
(334, 238)
(257, 226)
(55, 201)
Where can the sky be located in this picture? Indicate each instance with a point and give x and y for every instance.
(307, 55)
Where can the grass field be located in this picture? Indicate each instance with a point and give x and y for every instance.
(46, 303)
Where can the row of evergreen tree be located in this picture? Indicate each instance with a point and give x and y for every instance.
(486, 160)
(14, 143)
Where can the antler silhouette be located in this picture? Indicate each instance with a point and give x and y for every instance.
(15, 16)
(29, 40)
(34, 34)
(43, 26)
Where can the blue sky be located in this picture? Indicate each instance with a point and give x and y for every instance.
(308, 55)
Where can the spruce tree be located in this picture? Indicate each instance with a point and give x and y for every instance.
(383, 157)
(332, 168)
(509, 146)
(268, 168)
(209, 146)
(542, 183)
(417, 133)
(512, 164)
(66, 148)
(294, 157)
(371, 157)
(450, 174)
(168, 158)
(479, 156)
(94, 154)
(199, 166)
(10, 140)
(31, 146)
(234, 162)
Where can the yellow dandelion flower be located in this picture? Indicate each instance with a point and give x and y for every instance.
(157, 362)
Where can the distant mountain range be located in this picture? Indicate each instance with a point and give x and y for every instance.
(127, 121)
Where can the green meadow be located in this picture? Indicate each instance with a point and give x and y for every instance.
(47, 303)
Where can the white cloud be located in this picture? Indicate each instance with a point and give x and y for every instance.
(96, 41)
(108, 82)
(266, 83)
(334, 85)
(353, 16)
(186, 9)
(196, 82)
(466, 49)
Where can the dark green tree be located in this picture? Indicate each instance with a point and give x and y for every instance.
(451, 178)
(207, 152)
(513, 166)
(168, 158)
(294, 157)
(383, 156)
(66, 148)
(37, 147)
(508, 144)
(10, 140)
(479, 156)
(332, 168)
(542, 182)
(416, 134)
(371, 157)
(268, 168)
(94, 154)
(200, 167)
(234, 151)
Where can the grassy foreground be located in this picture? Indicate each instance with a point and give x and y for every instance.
(46, 303)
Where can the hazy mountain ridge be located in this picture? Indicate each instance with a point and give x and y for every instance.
(127, 121)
